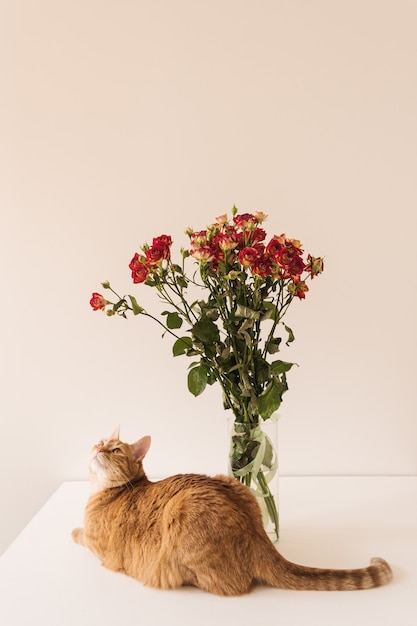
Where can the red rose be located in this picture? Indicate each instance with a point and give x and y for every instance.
(157, 253)
(261, 267)
(247, 256)
(298, 290)
(135, 263)
(289, 258)
(244, 220)
(164, 240)
(296, 267)
(250, 236)
(258, 235)
(283, 258)
(139, 272)
(315, 265)
(97, 301)
(219, 254)
(275, 246)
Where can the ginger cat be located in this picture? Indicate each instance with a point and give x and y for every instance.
(191, 529)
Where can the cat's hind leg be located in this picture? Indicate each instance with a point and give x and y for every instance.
(163, 577)
(220, 573)
(226, 587)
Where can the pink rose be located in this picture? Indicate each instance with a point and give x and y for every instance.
(224, 241)
(260, 216)
(198, 239)
(204, 254)
(222, 219)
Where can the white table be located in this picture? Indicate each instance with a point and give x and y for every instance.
(47, 580)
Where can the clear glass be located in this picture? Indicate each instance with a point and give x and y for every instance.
(253, 460)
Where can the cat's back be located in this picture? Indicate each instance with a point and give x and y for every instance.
(144, 500)
(184, 498)
(144, 518)
(198, 488)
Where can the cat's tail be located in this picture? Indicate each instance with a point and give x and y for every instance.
(278, 572)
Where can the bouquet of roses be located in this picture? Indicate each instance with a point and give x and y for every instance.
(232, 305)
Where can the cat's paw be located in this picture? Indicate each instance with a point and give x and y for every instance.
(78, 535)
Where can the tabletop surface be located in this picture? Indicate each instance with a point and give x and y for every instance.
(47, 580)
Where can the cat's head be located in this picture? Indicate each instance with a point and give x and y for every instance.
(114, 463)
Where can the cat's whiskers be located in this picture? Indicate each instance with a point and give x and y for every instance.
(129, 485)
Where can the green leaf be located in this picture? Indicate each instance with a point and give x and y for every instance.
(212, 314)
(135, 306)
(247, 339)
(197, 380)
(119, 304)
(208, 310)
(181, 346)
(278, 367)
(243, 330)
(244, 311)
(290, 335)
(182, 282)
(174, 321)
(211, 378)
(261, 370)
(206, 331)
(270, 398)
(268, 454)
(273, 345)
(270, 311)
(229, 365)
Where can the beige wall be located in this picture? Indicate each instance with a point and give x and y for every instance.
(120, 120)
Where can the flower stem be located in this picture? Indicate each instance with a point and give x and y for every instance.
(270, 502)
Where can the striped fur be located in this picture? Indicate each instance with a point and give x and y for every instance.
(192, 529)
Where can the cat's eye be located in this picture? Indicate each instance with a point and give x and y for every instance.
(116, 450)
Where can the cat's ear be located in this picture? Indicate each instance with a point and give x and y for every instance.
(115, 434)
(140, 448)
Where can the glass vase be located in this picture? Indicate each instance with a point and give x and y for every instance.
(253, 460)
